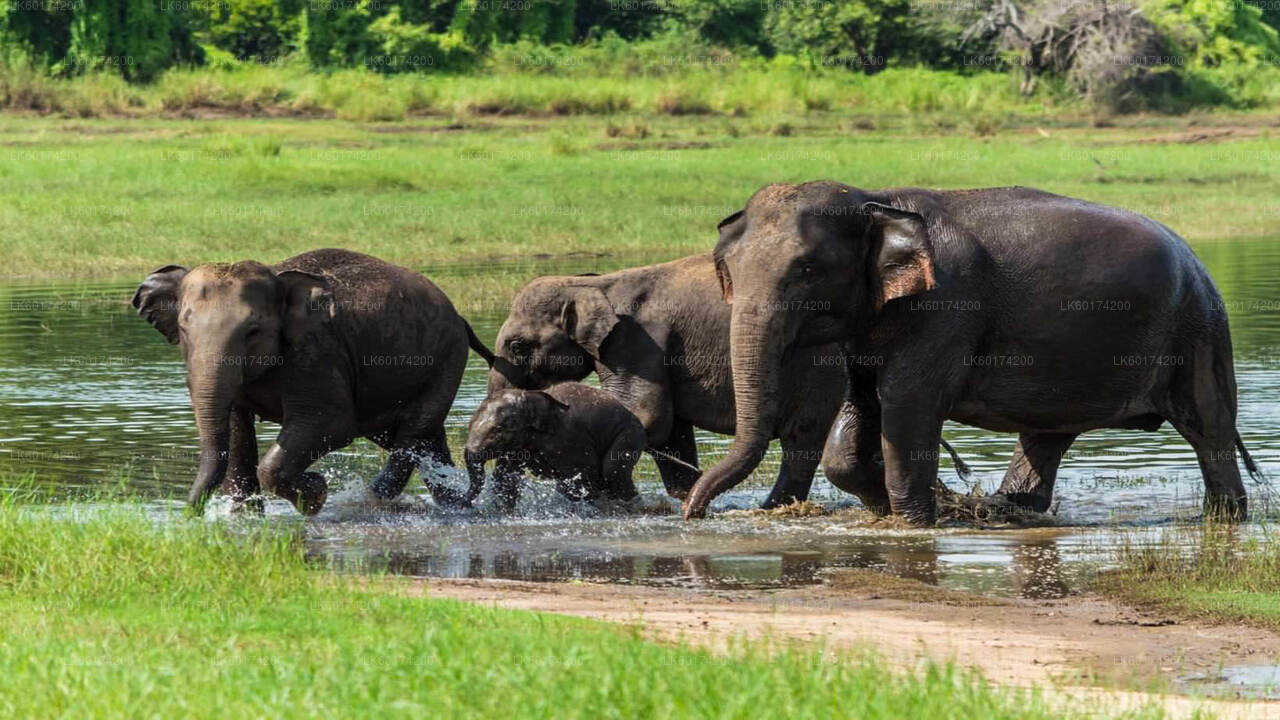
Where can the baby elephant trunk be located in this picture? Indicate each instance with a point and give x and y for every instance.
(446, 496)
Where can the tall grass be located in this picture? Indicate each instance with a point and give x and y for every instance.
(368, 96)
(107, 612)
(1231, 573)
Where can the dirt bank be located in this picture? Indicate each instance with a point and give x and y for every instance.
(1071, 648)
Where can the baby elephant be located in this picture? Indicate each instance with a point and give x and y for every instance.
(331, 344)
(581, 437)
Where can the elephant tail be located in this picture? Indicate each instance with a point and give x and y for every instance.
(1254, 471)
(962, 468)
(674, 459)
(478, 346)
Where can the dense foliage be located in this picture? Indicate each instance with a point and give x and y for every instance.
(1212, 45)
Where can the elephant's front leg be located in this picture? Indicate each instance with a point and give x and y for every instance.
(909, 441)
(283, 470)
(395, 474)
(619, 463)
(508, 474)
(242, 467)
(682, 445)
(1029, 480)
(795, 477)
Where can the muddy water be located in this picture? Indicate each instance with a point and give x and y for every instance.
(89, 394)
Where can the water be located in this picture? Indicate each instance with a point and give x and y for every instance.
(90, 394)
(1256, 682)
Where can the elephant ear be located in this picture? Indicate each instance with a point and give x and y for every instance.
(588, 317)
(543, 409)
(901, 253)
(156, 300)
(731, 230)
(308, 303)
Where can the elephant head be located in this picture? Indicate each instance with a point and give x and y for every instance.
(803, 265)
(553, 334)
(509, 425)
(233, 323)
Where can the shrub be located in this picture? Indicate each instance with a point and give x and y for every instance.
(253, 30)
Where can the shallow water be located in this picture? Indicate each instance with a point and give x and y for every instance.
(90, 394)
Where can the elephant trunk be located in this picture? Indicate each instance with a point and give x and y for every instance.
(757, 339)
(212, 384)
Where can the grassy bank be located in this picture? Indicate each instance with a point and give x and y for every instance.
(1222, 578)
(112, 198)
(683, 88)
(105, 613)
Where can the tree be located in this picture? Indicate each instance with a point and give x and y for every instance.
(859, 34)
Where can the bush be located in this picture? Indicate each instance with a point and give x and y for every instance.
(859, 35)
(253, 30)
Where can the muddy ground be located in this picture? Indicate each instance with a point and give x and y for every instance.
(1084, 652)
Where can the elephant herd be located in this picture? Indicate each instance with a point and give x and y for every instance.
(848, 324)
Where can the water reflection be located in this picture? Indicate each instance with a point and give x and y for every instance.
(716, 554)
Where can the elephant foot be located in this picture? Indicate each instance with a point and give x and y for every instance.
(386, 488)
(1035, 502)
(780, 500)
(445, 496)
(1225, 508)
(309, 493)
(251, 505)
(918, 514)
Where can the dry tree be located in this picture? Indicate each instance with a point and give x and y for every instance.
(1105, 50)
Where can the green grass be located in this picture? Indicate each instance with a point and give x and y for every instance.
(294, 89)
(116, 198)
(107, 612)
(1222, 578)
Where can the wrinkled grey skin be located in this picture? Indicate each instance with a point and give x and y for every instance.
(579, 436)
(658, 337)
(1009, 309)
(332, 344)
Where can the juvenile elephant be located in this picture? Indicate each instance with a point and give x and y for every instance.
(579, 436)
(1009, 309)
(331, 344)
(658, 337)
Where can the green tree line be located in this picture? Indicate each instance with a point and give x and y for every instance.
(140, 38)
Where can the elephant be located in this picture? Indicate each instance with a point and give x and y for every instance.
(1009, 309)
(658, 338)
(581, 437)
(331, 344)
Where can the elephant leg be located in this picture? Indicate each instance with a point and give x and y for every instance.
(909, 440)
(507, 476)
(1028, 481)
(395, 474)
(283, 469)
(619, 463)
(852, 459)
(795, 476)
(242, 467)
(1202, 408)
(681, 444)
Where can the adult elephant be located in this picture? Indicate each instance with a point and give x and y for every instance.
(658, 337)
(1010, 309)
(331, 344)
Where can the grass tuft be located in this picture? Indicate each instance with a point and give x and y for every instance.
(1228, 575)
